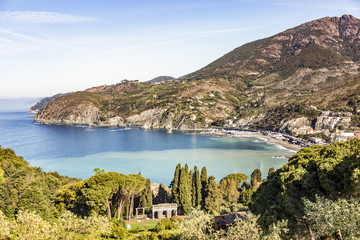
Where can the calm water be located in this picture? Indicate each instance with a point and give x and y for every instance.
(75, 151)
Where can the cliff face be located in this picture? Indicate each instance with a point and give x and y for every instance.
(269, 83)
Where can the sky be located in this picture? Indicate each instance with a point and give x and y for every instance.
(57, 46)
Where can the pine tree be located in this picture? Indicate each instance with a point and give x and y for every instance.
(204, 182)
(213, 198)
(197, 187)
(175, 184)
(184, 193)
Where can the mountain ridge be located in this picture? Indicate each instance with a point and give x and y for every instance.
(316, 63)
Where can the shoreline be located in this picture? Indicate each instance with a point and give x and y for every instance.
(291, 147)
(287, 145)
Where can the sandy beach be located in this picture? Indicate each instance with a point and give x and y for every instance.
(269, 139)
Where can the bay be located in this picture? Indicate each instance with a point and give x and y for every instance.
(76, 150)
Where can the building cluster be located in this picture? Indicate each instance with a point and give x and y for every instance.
(333, 124)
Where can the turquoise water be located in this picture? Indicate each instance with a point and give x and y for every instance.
(76, 150)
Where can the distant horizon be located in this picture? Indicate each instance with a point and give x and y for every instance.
(50, 47)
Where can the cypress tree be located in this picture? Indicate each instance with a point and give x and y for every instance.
(197, 187)
(175, 184)
(271, 171)
(186, 168)
(193, 188)
(213, 198)
(255, 178)
(204, 182)
(146, 198)
(184, 193)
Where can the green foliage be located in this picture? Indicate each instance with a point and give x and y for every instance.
(204, 182)
(255, 178)
(175, 184)
(146, 198)
(118, 228)
(331, 171)
(198, 187)
(97, 170)
(70, 198)
(184, 191)
(33, 199)
(198, 225)
(242, 229)
(238, 177)
(229, 190)
(328, 218)
(165, 224)
(4, 227)
(27, 187)
(29, 225)
(213, 198)
(271, 171)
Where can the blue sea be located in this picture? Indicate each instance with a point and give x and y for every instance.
(77, 150)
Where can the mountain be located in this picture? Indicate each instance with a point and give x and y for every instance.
(277, 83)
(38, 106)
(160, 79)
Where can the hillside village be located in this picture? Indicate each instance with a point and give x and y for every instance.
(326, 128)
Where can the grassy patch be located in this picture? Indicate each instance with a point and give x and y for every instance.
(148, 225)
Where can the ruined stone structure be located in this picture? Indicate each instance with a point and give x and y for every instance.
(164, 210)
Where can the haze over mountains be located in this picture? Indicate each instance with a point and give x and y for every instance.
(269, 83)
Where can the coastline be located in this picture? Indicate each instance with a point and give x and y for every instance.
(292, 147)
(285, 144)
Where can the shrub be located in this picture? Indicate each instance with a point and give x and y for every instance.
(4, 227)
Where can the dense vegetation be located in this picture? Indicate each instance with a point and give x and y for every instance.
(26, 187)
(314, 196)
(324, 174)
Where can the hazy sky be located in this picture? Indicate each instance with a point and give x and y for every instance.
(52, 46)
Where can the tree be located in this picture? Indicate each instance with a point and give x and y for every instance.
(70, 198)
(229, 191)
(184, 193)
(35, 200)
(238, 177)
(100, 189)
(246, 193)
(327, 218)
(146, 198)
(255, 178)
(164, 196)
(97, 170)
(271, 171)
(330, 171)
(198, 187)
(175, 184)
(212, 199)
(191, 187)
(204, 182)
(135, 185)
